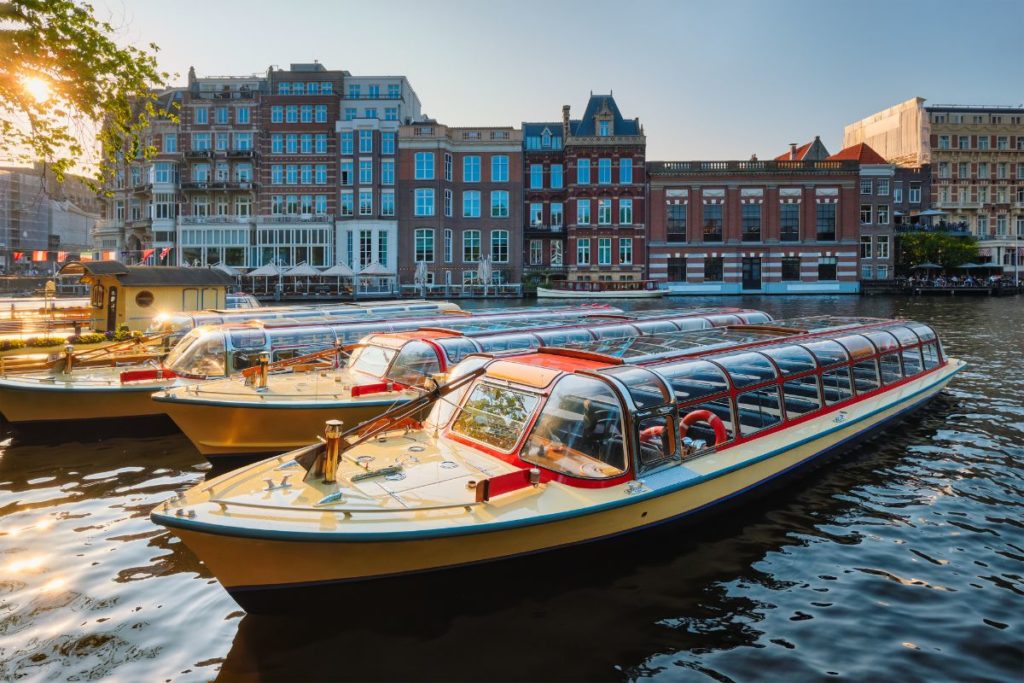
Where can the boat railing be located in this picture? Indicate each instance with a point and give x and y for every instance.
(346, 511)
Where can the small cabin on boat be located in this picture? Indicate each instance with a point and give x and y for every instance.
(133, 295)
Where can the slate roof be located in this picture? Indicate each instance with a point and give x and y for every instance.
(537, 129)
(150, 276)
(859, 152)
(585, 126)
(814, 150)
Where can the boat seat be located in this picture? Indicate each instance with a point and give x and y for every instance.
(759, 419)
(799, 405)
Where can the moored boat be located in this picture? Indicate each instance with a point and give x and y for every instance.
(626, 289)
(232, 417)
(551, 449)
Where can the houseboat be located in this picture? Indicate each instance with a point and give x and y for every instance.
(67, 393)
(548, 450)
(270, 412)
(626, 289)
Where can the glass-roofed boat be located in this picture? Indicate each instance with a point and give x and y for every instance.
(277, 408)
(31, 401)
(546, 450)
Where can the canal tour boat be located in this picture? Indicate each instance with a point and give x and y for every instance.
(546, 450)
(625, 289)
(283, 405)
(32, 402)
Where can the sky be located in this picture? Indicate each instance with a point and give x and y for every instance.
(707, 79)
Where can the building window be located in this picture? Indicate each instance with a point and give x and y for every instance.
(943, 142)
(604, 128)
(387, 143)
(424, 241)
(424, 202)
(350, 113)
(712, 222)
(471, 204)
(201, 142)
(826, 221)
(470, 246)
(556, 177)
(827, 268)
(448, 239)
(220, 142)
(536, 214)
(865, 214)
(625, 171)
(714, 267)
(583, 171)
(983, 141)
(291, 174)
(675, 222)
(162, 173)
(582, 212)
(499, 246)
(604, 171)
(499, 204)
(536, 252)
(964, 142)
(865, 246)
(625, 212)
(499, 168)
(867, 271)
(387, 172)
(390, 113)
(347, 174)
(448, 203)
(865, 185)
(1002, 142)
(321, 113)
(424, 166)
(202, 116)
(370, 113)
(321, 174)
(170, 143)
(365, 202)
(790, 269)
(583, 252)
(604, 213)
(883, 187)
(883, 214)
(897, 193)
(626, 251)
(915, 193)
(346, 142)
(536, 176)
(882, 272)
(882, 247)
(347, 203)
(751, 219)
(365, 172)
(789, 222)
(447, 167)
(291, 114)
(557, 215)
(365, 141)
(604, 251)
(387, 203)
(471, 169)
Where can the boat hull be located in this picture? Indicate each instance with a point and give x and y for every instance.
(220, 430)
(248, 562)
(546, 293)
(35, 402)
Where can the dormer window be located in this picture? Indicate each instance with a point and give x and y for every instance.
(545, 139)
(604, 128)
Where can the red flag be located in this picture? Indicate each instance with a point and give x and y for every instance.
(18, 255)
(146, 253)
(62, 256)
(39, 255)
(164, 252)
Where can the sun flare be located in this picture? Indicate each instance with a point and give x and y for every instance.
(38, 88)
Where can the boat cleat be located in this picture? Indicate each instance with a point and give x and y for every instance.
(638, 486)
(271, 486)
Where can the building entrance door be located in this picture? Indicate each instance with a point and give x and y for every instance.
(751, 273)
(112, 310)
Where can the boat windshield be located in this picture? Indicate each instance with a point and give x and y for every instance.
(371, 360)
(204, 356)
(416, 362)
(495, 415)
(579, 431)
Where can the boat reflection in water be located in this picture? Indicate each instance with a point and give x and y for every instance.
(269, 413)
(33, 402)
(551, 449)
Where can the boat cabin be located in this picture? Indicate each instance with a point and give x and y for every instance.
(592, 420)
(134, 295)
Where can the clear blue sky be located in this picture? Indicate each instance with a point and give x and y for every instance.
(708, 79)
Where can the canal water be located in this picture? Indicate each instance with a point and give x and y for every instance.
(902, 560)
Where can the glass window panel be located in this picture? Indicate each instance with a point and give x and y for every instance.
(931, 356)
(495, 416)
(801, 396)
(912, 364)
(563, 337)
(702, 431)
(747, 368)
(827, 352)
(857, 346)
(614, 331)
(655, 326)
(905, 336)
(865, 375)
(836, 384)
(416, 363)
(693, 379)
(645, 388)
(923, 331)
(656, 442)
(758, 409)
(457, 348)
(883, 340)
(509, 342)
(791, 359)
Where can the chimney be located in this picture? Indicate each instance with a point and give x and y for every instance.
(565, 123)
(792, 151)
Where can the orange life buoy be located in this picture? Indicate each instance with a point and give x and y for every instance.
(713, 421)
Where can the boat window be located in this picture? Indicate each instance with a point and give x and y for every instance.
(371, 360)
(912, 361)
(801, 396)
(702, 431)
(694, 379)
(240, 360)
(836, 384)
(443, 409)
(865, 375)
(857, 346)
(827, 352)
(495, 415)
(456, 348)
(655, 326)
(563, 337)
(923, 331)
(755, 318)
(891, 369)
(204, 358)
(579, 430)
(931, 356)
(746, 369)
(644, 387)
(306, 339)
(248, 339)
(791, 359)
(286, 354)
(509, 342)
(905, 335)
(883, 340)
(416, 362)
(758, 409)
(614, 331)
(182, 346)
(656, 436)
(688, 324)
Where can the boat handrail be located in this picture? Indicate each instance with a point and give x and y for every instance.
(347, 511)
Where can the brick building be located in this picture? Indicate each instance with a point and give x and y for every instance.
(877, 234)
(460, 197)
(544, 196)
(781, 226)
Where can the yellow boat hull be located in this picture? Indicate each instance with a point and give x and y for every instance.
(38, 402)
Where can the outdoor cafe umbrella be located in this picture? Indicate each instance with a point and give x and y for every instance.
(266, 271)
(339, 270)
(224, 268)
(303, 270)
(926, 266)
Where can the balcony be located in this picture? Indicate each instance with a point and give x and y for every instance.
(215, 220)
(545, 229)
(241, 153)
(655, 168)
(956, 229)
(217, 185)
(198, 153)
(296, 218)
(239, 94)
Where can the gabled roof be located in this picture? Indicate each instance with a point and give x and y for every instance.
(812, 151)
(537, 128)
(600, 104)
(859, 152)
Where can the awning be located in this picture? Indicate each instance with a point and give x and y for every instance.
(339, 270)
(375, 269)
(926, 266)
(269, 270)
(302, 270)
